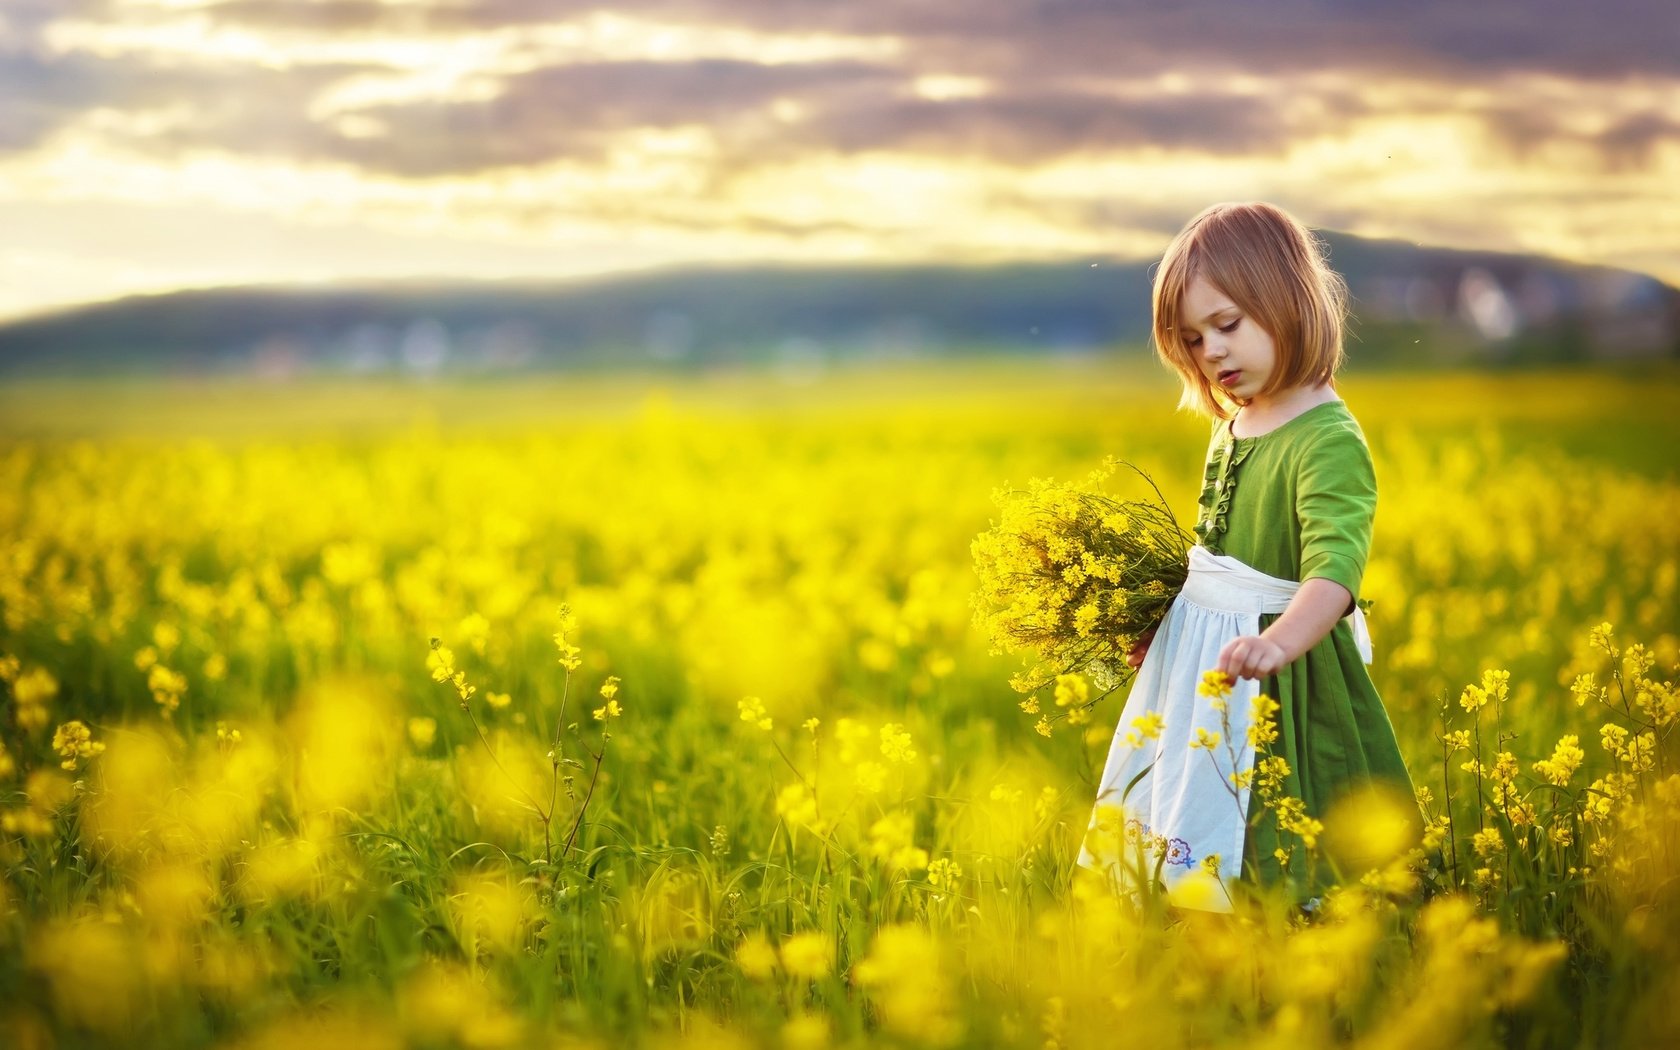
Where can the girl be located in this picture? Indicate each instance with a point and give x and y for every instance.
(1250, 316)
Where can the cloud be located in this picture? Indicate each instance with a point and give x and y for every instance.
(1610, 39)
(1039, 125)
(1059, 77)
(579, 111)
(23, 19)
(166, 105)
(37, 97)
(1632, 141)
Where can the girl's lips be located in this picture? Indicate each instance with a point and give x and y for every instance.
(1229, 376)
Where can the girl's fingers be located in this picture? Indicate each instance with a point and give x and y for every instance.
(1250, 657)
(1231, 658)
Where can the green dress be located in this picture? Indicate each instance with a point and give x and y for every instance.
(1297, 503)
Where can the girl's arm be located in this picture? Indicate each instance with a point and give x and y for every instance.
(1335, 501)
(1309, 617)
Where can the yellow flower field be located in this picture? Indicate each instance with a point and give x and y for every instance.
(612, 711)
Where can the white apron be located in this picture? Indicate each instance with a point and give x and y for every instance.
(1185, 795)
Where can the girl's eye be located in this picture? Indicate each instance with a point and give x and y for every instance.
(1192, 340)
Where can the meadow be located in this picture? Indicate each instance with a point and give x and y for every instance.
(624, 710)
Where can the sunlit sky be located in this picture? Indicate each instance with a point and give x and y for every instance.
(149, 145)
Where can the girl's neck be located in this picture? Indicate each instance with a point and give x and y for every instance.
(1263, 415)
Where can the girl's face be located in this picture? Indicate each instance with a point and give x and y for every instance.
(1234, 352)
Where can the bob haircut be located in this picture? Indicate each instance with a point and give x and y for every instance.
(1276, 272)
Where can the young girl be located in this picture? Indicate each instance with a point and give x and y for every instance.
(1250, 316)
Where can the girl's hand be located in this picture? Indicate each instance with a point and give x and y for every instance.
(1311, 614)
(1134, 659)
(1252, 656)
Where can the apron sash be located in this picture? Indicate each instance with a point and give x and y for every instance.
(1221, 582)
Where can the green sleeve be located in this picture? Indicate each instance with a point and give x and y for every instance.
(1335, 500)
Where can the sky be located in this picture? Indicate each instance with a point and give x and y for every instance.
(154, 145)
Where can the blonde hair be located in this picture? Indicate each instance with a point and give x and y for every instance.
(1276, 271)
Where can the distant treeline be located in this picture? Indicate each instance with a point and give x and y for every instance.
(1410, 305)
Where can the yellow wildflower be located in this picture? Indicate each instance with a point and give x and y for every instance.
(1473, 699)
(1292, 816)
(166, 635)
(1614, 739)
(1071, 689)
(1085, 618)
(167, 687)
(756, 956)
(74, 741)
(570, 655)
(422, 731)
(905, 976)
(890, 840)
(808, 955)
(871, 777)
(1270, 773)
(1146, 727)
(798, 808)
(806, 1031)
(1215, 683)
(1637, 660)
(1585, 688)
(1600, 638)
(895, 743)
(476, 630)
(752, 711)
(30, 823)
(1049, 800)
(1505, 768)
(944, 873)
(1005, 793)
(31, 691)
(1566, 759)
(440, 662)
(1263, 730)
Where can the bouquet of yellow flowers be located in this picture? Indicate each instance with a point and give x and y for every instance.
(1076, 577)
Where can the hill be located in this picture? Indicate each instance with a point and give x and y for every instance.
(1410, 304)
